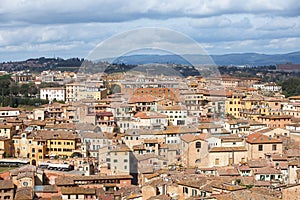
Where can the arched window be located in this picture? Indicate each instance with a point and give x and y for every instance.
(198, 144)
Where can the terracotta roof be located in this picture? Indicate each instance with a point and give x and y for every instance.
(244, 167)
(257, 138)
(227, 149)
(227, 186)
(78, 190)
(266, 170)
(7, 126)
(153, 141)
(27, 168)
(231, 138)
(25, 175)
(120, 147)
(149, 115)
(193, 183)
(24, 193)
(138, 147)
(191, 138)
(160, 197)
(174, 107)
(279, 157)
(138, 99)
(245, 195)
(209, 126)
(275, 117)
(6, 184)
(66, 135)
(37, 122)
(9, 109)
(180, 130)
(293, 153)
(228, 171)
(258, 163)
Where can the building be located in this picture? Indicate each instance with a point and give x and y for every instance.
(150, 120)
(72, 91)
(193, 150)
(120, 160)
(7, 130)
(7, 189)
(51, 94)
(9, 112)
(59, 143)
(259, 145)
(233, 105)
(177, 115)
(275, 121)
(84, 90)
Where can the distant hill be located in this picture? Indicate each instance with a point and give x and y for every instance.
(253, 59)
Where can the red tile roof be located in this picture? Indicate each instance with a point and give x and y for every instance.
(257, 138)
(190, 137)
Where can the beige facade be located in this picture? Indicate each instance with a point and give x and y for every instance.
(194, 150)
(259, 145)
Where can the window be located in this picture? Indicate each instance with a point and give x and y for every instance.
(185, 190)
(198, 144)
(260, 147)
(274, 147)
(115, 160)
(217, 161)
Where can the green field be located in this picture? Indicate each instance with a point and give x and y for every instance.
(6, 169)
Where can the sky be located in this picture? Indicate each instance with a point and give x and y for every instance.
(73, 28)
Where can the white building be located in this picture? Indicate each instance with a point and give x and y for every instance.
(150, 120)
(9, 112)
(272, 87)
(57, 93)
(177, 115)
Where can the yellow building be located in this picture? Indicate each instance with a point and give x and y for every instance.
(59, 143)
(37, 145)
(21, 145)
(233, 105)
(93, 93)
(254, 106)
(37, 151)
(7, 130)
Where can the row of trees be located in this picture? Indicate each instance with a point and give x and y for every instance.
(9, 87)
(291, 87)
(14, 94)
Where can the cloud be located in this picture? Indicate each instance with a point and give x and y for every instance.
(47, 27)
(74, 11)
